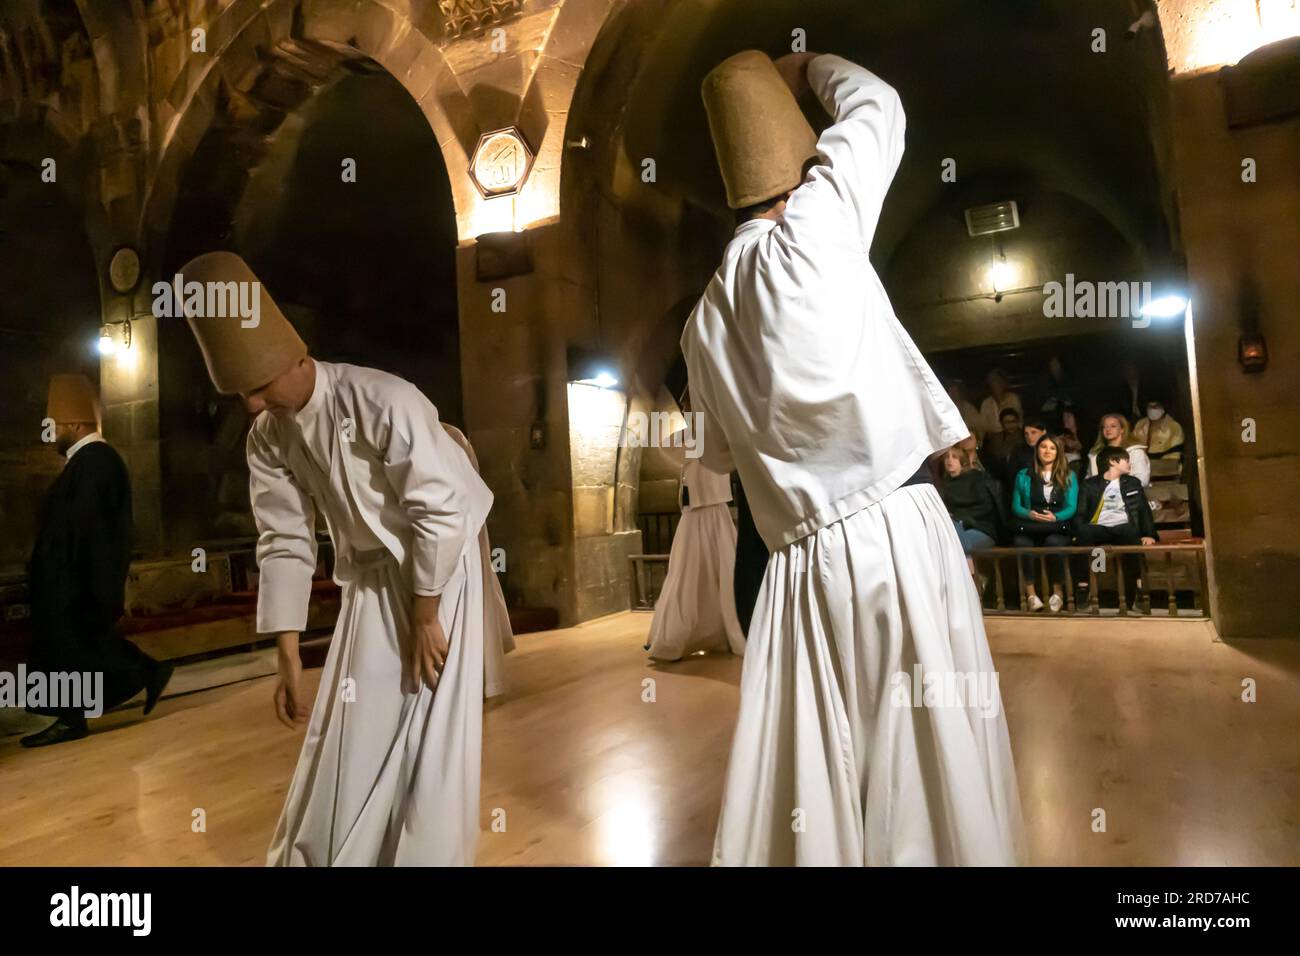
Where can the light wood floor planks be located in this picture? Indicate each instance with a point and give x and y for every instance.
(1143, 720)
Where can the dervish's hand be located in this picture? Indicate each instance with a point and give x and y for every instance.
(793, 68)
(290, 707)
(429, 647)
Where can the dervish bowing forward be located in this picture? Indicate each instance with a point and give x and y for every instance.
(389, 768)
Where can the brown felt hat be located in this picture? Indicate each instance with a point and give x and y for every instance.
(761, 137)
(72, 398)
(240, 358)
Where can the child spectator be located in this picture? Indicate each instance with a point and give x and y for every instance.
(1113, 509)
(974, 501)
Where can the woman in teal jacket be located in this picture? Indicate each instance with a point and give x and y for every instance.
(1043, 503)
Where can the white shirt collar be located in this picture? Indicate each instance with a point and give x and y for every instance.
(88, 440)
(317, 400)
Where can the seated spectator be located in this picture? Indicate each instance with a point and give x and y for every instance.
(974, 501)
(1116, 433)
(969, 413)
(970, 450)
(1043, 505)
(1000, 397)
(1161, 434)
(1058, 394)
(1113, 509)
(999, 446)
(1023, 457)
(1071, 443)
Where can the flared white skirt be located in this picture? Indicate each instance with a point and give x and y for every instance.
(871, 730)
(387, 778)
(696, 609)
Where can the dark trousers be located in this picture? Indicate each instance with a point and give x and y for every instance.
(751, 561)
(1095, 534)
(125, 667)
(1042, 534)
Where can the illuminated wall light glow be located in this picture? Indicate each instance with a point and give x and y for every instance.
(1002, 275)
(600, 380)
(1221, 32)
(1167, 306)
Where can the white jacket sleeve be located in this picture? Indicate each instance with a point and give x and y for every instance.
(1140, 464)
(715, 453)
(286, 539)
(430, 474)
(860, 152)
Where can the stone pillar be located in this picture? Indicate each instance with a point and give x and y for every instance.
(1241, 240)
(513, 374)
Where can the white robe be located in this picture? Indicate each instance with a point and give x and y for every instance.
(696, 610)
(498, 638)
(384, 777)
(810, 385)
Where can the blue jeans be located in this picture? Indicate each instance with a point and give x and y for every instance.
(972, 539)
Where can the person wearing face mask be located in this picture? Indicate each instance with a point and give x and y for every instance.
(1116, 433)
(1160, 432)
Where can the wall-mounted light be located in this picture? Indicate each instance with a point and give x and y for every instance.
(115, 337)
(587, 367)
(1165, 305)
(1002, 276)
(1252, 352)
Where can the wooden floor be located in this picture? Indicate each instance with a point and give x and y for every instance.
(1143, 720)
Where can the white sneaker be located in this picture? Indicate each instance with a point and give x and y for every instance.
(1055, 603)
(1035, 602)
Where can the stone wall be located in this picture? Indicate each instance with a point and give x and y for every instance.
(1242, 241)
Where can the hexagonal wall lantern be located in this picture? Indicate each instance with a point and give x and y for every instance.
(501, 162)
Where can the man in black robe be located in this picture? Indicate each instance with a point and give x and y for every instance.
(78, 569)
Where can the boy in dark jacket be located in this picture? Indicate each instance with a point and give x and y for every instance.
(1113, 509)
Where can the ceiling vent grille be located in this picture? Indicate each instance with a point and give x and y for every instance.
(995, 217)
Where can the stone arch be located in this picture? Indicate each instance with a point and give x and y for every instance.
(363, 269)
(242, 39)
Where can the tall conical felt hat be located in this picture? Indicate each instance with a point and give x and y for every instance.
(72, 398)
(241, 357)
(760, 135)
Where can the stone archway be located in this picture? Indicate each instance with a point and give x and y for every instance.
(325, 176)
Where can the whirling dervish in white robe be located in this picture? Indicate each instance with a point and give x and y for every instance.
(696, 609)
(385, 776)
(498, 637)
(846, 751)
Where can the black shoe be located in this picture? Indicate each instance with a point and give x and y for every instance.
(57, 733)
(155, 685)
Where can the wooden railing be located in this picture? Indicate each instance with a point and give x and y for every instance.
(1170, 570)
(648, 573)
(1167, 569)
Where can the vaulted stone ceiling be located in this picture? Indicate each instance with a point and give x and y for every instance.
(1002, 86)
